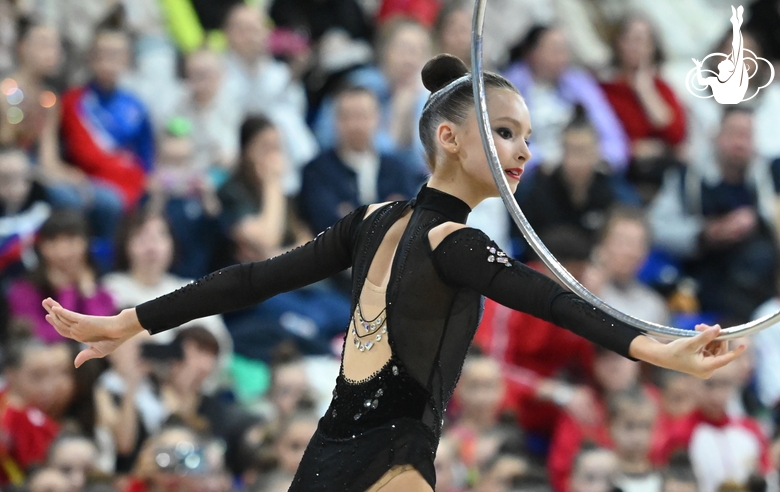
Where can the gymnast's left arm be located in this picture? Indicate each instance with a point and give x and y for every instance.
(468, 258)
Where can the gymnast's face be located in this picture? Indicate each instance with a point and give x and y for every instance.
(511, 125)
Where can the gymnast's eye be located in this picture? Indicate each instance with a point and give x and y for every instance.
(504, 133)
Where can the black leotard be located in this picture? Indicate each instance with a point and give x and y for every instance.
(433, 304)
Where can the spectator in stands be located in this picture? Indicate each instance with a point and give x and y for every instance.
(552, 88)
(651, 114)
(632, 423)
(742, 448)
(291, 440)
(32, 112)
(32, 373)
(258, 219)
(452, 29)
(546, 369)
(403, 48)
(595, 470)
(290, 388)
(354, 173)
(580, 191)
(622, 250)
(64, 271)
(214, 125)
(450, 472)
(184, 193)
(106, 131)
(184, 365)
(723, 227)
(255, 213)
(145, 254)
(612, 375)
(476, 427)
(258, 84)
(75, 457)
(678, 399)
(24, 208)
(129, 402)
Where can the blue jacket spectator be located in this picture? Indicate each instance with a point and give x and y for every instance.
(354, 173)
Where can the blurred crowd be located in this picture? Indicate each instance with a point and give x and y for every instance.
(145, 143)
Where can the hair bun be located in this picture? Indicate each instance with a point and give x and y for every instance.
(441, 70)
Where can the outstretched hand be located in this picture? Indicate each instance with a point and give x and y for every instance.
(699, 356)
(101, 334)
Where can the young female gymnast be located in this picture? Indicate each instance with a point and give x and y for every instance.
(418, 277)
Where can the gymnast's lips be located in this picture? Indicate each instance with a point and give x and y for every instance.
(514, 172)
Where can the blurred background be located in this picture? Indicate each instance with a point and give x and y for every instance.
(146, 143)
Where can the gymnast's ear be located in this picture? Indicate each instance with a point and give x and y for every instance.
(447, 137)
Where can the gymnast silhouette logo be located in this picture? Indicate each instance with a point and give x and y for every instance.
(730, 84)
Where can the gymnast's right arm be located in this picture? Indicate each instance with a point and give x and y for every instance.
(228, 289)
(243, 285)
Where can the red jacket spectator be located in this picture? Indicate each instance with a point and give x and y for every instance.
(531, 350)
(25, 436)
(638, 126)
(720, 450)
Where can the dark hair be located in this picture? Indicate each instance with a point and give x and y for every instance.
(566, 242)
(129, 227)
(632, 396)
(26, 25)
(355, 90)
(200, 336)
(658, 55)
(245, 172)
(453, 104)
(679, 468)
(61, 223)
(17, 350)
(523, 49)
(579, 121)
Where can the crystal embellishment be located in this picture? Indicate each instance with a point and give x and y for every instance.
(395, 370)
(497, 256)
(370, 329)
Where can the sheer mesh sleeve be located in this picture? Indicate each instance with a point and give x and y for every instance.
(469, 258)
(240, 286)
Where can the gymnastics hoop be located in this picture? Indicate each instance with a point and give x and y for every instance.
(478, 84)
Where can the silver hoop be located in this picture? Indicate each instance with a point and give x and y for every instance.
(478, 83)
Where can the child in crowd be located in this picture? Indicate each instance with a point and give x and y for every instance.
(632, 421)
(722, 447)
(34, 382)
(595, 469)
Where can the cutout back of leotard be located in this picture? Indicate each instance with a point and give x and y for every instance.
(367, 349)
